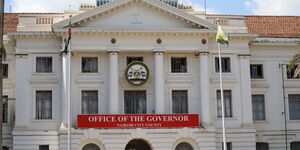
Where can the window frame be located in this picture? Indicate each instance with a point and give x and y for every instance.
(91, 71)
(287, 75)
(5, 67)
(35, 106)
(81, 100)
(179, 57)
(231, 103)
(79, 66)
(262, 71)
(5, 109)
(136, 57)
(187, 100)
(41, 147)
(261, 143)
(36, 63)
(264, 103)
(294, 142)
(288, 106)
(216, 64)
(132, 90)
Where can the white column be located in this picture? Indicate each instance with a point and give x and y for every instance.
(205, 89)
(159, 83)
(113, 82)
(245, 90)
(65, 86)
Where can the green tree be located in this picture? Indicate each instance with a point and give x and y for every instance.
(295, 60)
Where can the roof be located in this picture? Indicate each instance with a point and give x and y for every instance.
(11, 21)
(274, 26)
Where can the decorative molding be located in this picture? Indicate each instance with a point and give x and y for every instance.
(276, 41)
(179, 81)
(45, 81)
(80, 81)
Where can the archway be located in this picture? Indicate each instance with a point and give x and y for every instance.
(90, 147)
(137, 144)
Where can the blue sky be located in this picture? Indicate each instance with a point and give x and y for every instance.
(237, 7)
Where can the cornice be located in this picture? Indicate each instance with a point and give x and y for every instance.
(276, 41)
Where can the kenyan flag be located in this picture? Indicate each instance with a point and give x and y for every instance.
(68, 39)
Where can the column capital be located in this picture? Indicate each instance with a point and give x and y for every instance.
(159, 52)
(244, 55)
(203, 52)
(114, 52)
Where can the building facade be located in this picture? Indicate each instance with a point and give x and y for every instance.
(179, 49)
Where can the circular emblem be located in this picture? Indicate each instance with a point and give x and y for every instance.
(137, 73)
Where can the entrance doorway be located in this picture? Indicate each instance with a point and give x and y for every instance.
(137, 144)
(91, 147)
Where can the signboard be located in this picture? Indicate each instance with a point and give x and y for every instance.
(138, 121)
(137, 73)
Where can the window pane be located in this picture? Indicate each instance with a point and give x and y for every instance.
(262, 146)
(228, 145)
(89, 64)
(135, 102)
(5, 70)
(180, 101)
(184, 146)
(295, 145)
(43, 104)
(178, 65)
(43, 147)
(258, 107)
(294, 106)
(44, 64)
(89, 102)
(131, 59)
(256, 71)
(5, 108)
(227, 103)
(225, 61)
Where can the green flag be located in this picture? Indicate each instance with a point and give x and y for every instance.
(222, 36)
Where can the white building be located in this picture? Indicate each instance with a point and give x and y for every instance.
(180, 51)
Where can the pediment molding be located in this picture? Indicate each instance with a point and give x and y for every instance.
(116, 5)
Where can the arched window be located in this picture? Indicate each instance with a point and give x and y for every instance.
(137, 144)
(184, 146)
(91, 147)
(295, 145)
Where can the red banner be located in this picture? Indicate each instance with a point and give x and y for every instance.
(138, 121)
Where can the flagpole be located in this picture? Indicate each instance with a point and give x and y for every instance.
(69, 92)
(222, 98)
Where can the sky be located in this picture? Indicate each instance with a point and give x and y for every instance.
(233, 7)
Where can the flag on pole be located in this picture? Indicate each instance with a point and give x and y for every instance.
(222, 36)
(68, 39)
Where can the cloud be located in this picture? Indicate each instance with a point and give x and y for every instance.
(273, 7)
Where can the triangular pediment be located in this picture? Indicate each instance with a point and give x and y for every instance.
(135, 14)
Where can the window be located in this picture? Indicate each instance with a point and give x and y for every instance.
(5, 71)
(225, 64)
(258, 107)
(180, 101)
(227, 103)
(178, 65)
(89, 64)
(262, 146)
(43, 104)
(44, 64)
(89, 102)
(5, 109)
(184, 146)
(43, 147)
(5, 148)
(294, 106)
(295, 145)
(131, 59)
(290, 74)
(135, 102)
(91, 147)
(228, 145)
(256, 71)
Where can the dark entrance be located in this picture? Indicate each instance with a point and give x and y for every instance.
(91, 147)
(137, 145)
